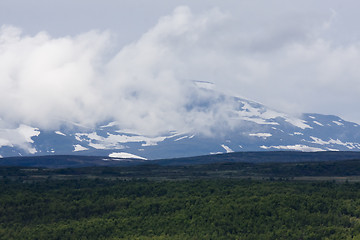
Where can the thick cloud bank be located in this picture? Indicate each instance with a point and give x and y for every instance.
(46, 81)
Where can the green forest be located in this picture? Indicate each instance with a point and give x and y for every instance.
(178, 209)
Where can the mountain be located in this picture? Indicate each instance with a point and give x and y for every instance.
(250, 126)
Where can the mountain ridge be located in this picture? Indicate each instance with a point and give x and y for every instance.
(243, 125)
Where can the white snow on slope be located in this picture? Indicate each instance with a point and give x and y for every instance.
(316, 122)
(320, 141)
(349, 145)
(297, 147)
(227, 149)
(333, 149)
(261, 135)
(78, 148)
(262, 115)
(111, 124)
(125, 155)
(297, 122)
(114, 141)
(257, 115)
(338, 123)
(60, 133)
(214, 153)
(178, 139)
(258, 121)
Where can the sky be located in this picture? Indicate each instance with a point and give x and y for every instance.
(132, 61)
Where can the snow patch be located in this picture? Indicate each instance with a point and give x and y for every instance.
(32, 150)
(297, 147)
(227, 149)
(175, 134)
(60, 133)
(338, 123)
(297, 123)
(255, 114)
(262, 135)
(105, 146)
(318, 141)
(262, 115)
(78, 148)
(178, 139)
(316, 122)
(111, 124)
(349, 145)
(258, 121)
(125, 155)
(114, 141)
(214, 153)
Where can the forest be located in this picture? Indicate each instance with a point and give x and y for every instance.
(218, 208)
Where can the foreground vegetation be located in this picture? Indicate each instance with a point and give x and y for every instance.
(182, 209)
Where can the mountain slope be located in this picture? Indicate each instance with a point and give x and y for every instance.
(249, 126)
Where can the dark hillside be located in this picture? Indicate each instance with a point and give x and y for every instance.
(69, 161)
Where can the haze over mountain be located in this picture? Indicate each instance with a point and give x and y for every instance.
(128, 85)
(243, 125)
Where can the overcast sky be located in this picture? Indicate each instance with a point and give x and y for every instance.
(88, 60)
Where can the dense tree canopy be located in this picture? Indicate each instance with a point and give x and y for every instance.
(201, 209)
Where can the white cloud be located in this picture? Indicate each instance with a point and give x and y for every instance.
(20, 137)
(46, 81)
(292, 65)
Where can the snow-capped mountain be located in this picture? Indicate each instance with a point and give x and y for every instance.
(252, 127)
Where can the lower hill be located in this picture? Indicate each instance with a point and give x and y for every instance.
(70, 161)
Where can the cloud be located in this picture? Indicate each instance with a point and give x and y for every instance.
(46, 81)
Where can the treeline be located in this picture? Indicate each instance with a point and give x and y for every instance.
(200, 209)
(288, 170)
